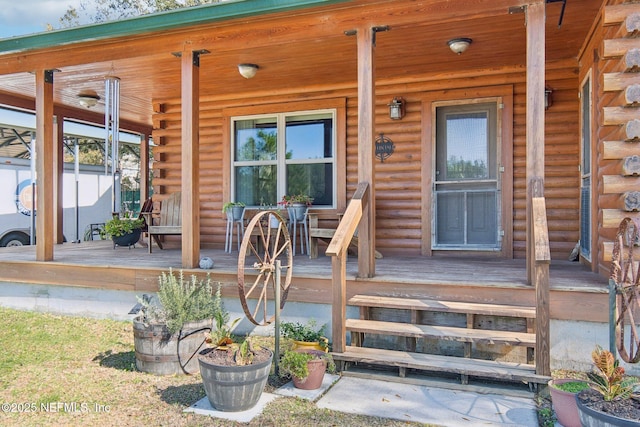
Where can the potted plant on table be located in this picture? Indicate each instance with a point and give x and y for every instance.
(170, 331)
(123, 231)
(235, 210)
(305, 336)
(306, 367)
(296, 205)
(613, 399)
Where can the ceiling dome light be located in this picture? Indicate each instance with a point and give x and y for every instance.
(459, 45)
(88, 100)
(248, 70)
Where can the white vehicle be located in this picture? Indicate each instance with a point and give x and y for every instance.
(93, 202)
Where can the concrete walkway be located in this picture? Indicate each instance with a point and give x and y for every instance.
(405, 402)
(425, 404)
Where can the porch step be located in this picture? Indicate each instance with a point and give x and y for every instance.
(485, 336)
(480, 318)
(506, 371)
(442, 306)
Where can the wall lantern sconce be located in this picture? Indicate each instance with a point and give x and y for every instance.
(88, 100)
(396, 108)
(459, 45)
(248, 70)
(548, 99)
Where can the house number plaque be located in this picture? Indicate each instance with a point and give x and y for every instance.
(384, 147)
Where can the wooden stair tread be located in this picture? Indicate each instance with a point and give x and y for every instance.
(449, 333)
(430, 362)
(442, 306)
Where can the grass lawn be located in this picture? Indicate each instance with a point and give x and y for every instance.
(73, 371)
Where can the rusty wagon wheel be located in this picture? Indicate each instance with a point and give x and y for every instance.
(272, 244)
(625, 274)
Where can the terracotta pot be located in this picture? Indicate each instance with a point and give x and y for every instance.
(564, 404)
(317, 368)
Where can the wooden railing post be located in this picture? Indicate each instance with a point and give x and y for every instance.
(540, 277)
(337, 249)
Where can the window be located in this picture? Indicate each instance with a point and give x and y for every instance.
(585, 168)
(286, 153)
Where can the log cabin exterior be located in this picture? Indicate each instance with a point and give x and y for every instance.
(343, 62)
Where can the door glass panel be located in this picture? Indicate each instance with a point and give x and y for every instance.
(466, 146)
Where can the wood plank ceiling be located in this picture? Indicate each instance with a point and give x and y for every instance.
(295, 50)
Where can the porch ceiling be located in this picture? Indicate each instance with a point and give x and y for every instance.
(297, 50)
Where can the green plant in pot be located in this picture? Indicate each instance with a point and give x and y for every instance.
(234, 209)
(170, 329)
(123, 231)
(563, 397)
(613, 398)
(305, 336)
(306, 367)
(234, 376)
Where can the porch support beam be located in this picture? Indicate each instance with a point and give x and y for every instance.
(190, 158)
(58, 123)
(45, 160)
(537, 261)
(366, 149)
(535, 28)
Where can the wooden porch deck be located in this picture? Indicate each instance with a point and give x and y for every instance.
(576, 293)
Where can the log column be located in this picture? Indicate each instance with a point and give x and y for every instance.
(190, 158)
(535, 23)
(366, 148)
(44, 152)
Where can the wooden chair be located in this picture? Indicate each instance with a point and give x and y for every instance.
(167, 222)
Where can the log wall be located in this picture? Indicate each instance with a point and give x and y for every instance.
(616, 61)
(399, 218)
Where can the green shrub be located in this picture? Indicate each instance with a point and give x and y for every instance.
(181, 301)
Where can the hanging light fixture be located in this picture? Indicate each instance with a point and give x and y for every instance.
(459, 45)
(548, 100)
(396, 108)
(248, 70)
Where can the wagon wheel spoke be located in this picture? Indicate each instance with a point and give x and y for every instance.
(259, 258)
(626, 276)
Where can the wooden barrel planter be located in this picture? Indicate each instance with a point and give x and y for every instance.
(161, 353)
(232, 388)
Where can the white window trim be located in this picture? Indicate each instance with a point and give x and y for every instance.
(281, 151)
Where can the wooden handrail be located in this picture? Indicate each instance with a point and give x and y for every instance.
(349, 222)
(338, 251)
(540, 276)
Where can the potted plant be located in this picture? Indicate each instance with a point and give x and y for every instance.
(612, 399)
(123, 231)
(235, 209)
(306, 367)
(563, 398)
(234, 376)
(305, 336)
(297, 205)
(170, 331)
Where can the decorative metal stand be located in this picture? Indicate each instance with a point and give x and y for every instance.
(624, 293)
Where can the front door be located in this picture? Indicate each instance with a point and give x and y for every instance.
(467, 186)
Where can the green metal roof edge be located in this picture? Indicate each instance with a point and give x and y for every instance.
(214, 12)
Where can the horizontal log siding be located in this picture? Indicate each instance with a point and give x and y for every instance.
(398, 178)
(611, 184)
